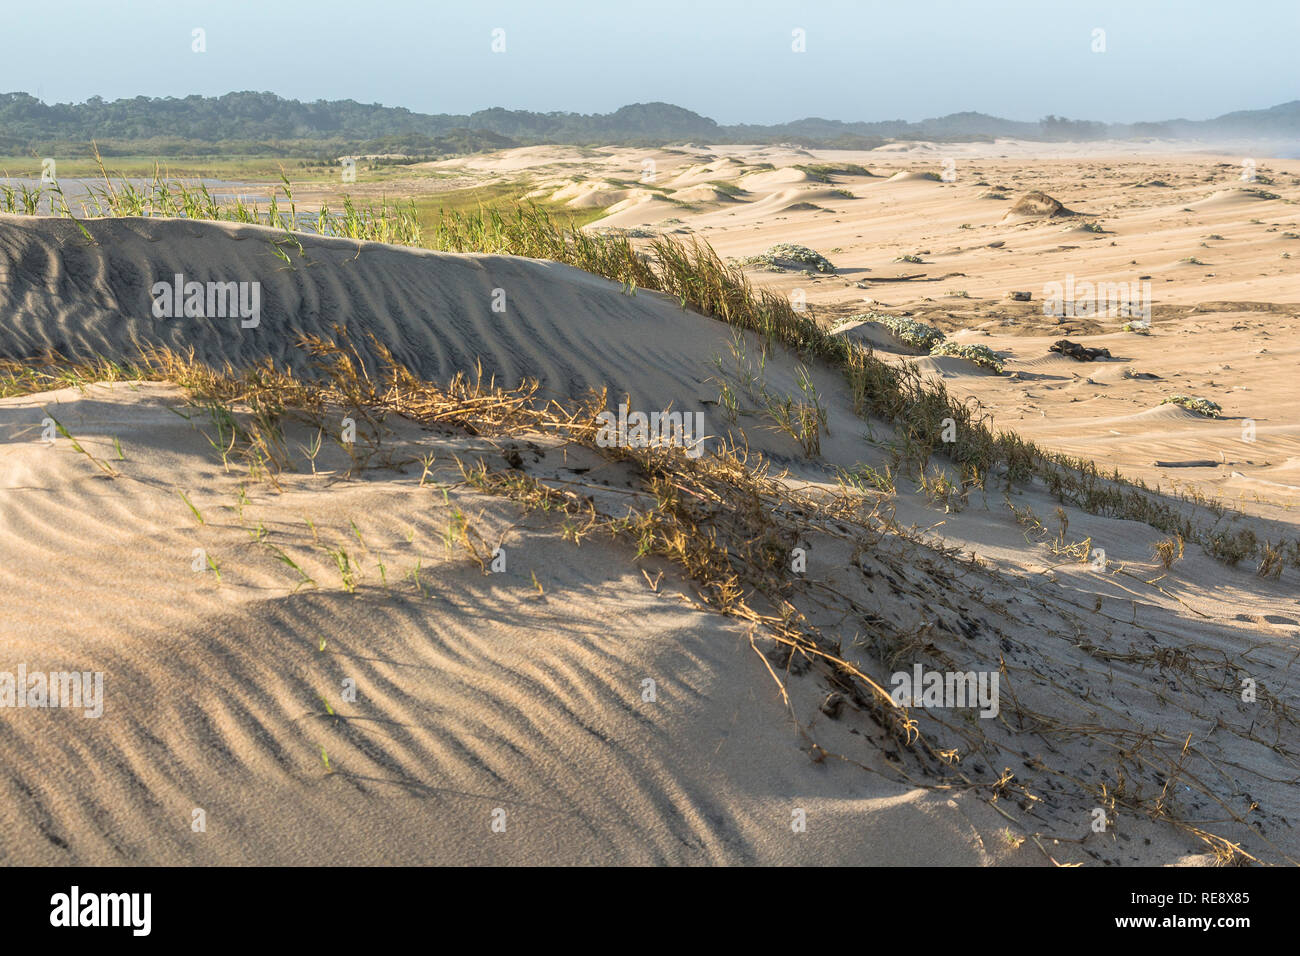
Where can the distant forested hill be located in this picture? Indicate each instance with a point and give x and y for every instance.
(263, 122)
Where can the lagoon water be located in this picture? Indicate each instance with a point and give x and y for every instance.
(79, 191)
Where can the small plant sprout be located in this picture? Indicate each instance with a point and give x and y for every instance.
(347, 569)
(193, 510)
(103, 466)
(303, 576)
(312, 450)
(414, 575)
(427, 462)
(727, 401)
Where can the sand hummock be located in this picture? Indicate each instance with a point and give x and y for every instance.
(1038, 205)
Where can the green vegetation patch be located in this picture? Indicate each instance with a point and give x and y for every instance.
(1202, 406)
(980, 355)
(499, 197)
(822, 172)
(786, 255)
(918, 335)
(731, 189)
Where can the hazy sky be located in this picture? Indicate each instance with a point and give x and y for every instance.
(727, 59)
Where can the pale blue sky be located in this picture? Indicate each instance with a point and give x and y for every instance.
(728, 59)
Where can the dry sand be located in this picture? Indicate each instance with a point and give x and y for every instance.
(523, 692)
(1224, 329)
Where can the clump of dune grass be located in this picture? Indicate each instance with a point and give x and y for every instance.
(980, 355)
(1232, 547)
(1273, 559)
(1202, 406)
(1167, 551)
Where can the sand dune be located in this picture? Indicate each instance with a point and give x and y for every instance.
(561, 326)
(702, 193)
(479, 694)
(724, 169)
(1225, 199)
(911, 176)
(1037, 205)
(774, 178)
